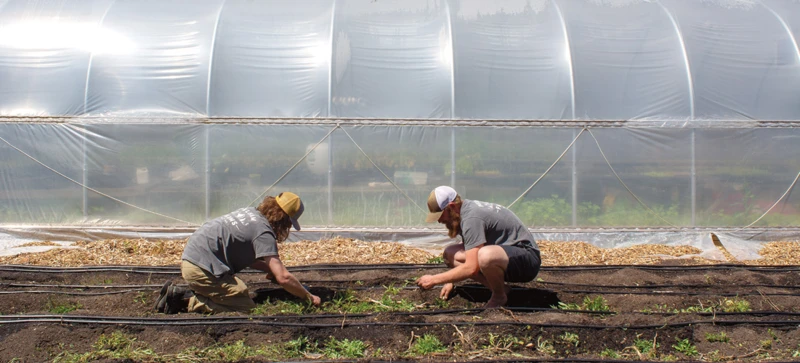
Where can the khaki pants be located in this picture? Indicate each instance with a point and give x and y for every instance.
(213, 294)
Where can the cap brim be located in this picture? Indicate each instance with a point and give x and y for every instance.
(433, 217)
(295, 224)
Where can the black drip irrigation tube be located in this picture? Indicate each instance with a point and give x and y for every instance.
(256, 320)
(357, 267)
(599, 289)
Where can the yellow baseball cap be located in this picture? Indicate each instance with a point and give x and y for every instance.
(292, 205)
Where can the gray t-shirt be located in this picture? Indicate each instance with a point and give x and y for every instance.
(229, 243)
(491, 224)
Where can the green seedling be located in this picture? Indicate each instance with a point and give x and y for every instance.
(140, 298)
(58, 307)
(441, 303)
(436, 260)
(685, 347)
(570, 338)
(589, 304)
(646, 346)
(717, 337)
(299, 347)
(427, 344)
(735, 305)
(545, 346)
(609, 353)
(116, 346)
(344, 348)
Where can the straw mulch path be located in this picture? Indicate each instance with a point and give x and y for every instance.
(350, 251)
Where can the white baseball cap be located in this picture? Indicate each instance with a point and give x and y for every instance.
(438, 200)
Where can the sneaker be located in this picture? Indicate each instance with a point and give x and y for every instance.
(162, 297)
(175, 301)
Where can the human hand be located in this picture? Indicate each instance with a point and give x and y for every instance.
(271, 277)
(446, 290)
(426, 282)
(315, 300)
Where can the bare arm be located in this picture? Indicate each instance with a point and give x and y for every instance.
(273, 265)
(461, 272)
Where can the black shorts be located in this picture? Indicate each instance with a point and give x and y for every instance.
(524, 262)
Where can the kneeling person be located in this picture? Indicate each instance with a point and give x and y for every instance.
(496, 246)
(247, 237)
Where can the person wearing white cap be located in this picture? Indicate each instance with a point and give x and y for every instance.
(220, 248)
(496, 246)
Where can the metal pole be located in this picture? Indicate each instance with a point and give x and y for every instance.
(694, 180)
(453, 157)
(208, 171)
(574, 181)
(330, 180)
(85, 204)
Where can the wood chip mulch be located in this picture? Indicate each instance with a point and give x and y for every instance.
(350, 251)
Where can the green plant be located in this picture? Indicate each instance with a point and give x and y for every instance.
(58, 307)
(140, 298)
(609, 353)
(717, 337)
(645, 346)
(570, 338)
(796, 352)
(441, 303)
(590, 304)
(685, 347)
(427, 344)
(344, 348)
(735, 305)
(436, 260)
(116, 346)
(299, 347)
(545, 346)
(283, 307)
(391, 290)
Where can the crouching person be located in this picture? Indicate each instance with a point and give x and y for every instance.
(247, 237)
(496, 246)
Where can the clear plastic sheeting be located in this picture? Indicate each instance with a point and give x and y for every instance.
(512, 60)
(617, 114)
(158, 63)
(45, 53)
(272, 58)
(744, 61)
(393, 58)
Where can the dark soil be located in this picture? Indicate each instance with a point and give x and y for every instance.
(46, 315)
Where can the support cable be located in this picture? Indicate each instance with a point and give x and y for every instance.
(548, 169)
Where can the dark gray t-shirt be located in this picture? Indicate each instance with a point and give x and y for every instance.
(491, 224)
(229, 243)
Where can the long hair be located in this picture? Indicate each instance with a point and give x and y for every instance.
(454, 224)
(277, 218)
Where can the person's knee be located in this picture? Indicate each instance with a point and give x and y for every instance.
(492, 258)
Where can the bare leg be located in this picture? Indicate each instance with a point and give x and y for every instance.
(493, 262)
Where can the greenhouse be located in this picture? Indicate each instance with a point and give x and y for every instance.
(611, 121)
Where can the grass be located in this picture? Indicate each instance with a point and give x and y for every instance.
(60, 307)
(609, 353)
(436, 260)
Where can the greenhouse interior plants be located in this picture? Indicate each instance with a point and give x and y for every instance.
(612, 121)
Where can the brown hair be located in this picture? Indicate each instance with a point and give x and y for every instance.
(278, 219)
(454, 225)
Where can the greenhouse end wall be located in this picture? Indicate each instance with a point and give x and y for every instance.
(579, 115)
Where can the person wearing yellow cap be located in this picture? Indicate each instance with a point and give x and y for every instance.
(496, 246)
(220, 248)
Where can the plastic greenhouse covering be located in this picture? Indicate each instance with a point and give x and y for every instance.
(610, 121)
